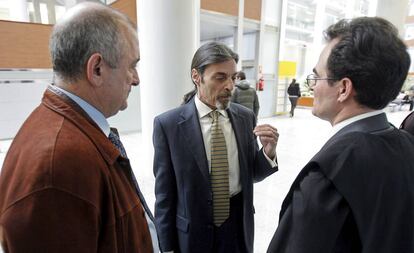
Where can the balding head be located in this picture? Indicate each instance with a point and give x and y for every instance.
(85, 29)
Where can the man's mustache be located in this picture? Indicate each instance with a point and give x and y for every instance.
(225, 94)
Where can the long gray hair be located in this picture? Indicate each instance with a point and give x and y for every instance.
(209, 53)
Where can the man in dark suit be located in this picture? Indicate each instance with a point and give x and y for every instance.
(206, 160)
(357, 193)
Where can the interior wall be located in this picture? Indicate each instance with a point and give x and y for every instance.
(230, 7)
(129, 7)
(25, 45)
(253, 9)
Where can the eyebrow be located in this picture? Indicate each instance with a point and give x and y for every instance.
(314, 71)
(226, 74)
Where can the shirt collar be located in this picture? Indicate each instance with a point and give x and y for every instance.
(351, 120)
(92, 112)
(204, 110)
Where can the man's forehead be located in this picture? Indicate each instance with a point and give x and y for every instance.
(226, 67)
(130, 38)
(323, 57)
(328, 48)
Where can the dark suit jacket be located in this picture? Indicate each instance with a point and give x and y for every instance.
(408, 123)
(183, 208)
(65, 188)
(355, 195)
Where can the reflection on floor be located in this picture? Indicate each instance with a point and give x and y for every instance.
(300, 138)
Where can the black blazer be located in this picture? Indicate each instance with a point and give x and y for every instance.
(408, 123)
(363, 179)
(183, 207)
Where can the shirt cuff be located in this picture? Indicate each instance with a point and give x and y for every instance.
(273, 162)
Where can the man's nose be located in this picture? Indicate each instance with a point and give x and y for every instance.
(230, 84)
(135, 78)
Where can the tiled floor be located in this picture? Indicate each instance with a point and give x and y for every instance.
(300, 138)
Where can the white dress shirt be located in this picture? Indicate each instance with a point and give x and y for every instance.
(231, 144)
(103, 124)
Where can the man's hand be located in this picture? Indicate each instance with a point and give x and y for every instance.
(268, 136)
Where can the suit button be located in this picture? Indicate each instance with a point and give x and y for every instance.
(210, 226)
(209, 202)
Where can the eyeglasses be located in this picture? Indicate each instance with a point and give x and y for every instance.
(312, 78)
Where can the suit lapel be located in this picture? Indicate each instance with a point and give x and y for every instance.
(238, 125)
(191, 133)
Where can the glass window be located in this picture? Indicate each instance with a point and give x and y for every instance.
(37, 11)
(411, 8)
(44, 15)
(409, 32)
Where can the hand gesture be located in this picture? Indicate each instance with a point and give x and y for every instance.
(268, 136)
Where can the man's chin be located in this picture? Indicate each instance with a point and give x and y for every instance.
(314, 112)
(223, 104)
(124, 106)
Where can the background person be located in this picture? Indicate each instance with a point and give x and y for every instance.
(357, 193)
(66, 184)
(294, 94)
(206, 160)
(244, 94)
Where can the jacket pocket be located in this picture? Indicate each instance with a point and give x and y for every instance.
(182, 223)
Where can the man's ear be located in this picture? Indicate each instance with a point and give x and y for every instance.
(346, 89)
(94, 68)
(195, 76)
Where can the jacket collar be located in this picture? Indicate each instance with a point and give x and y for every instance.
(60, 103)
(373, 124)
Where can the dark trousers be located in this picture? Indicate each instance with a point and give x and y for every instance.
(229, 236)
(293, 103)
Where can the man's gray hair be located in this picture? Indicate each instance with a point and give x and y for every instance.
(91, 28)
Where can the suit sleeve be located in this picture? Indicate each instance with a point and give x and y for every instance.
(408, 123)
(313, 220)
(165, 189)
(256, 105)
(262, 168)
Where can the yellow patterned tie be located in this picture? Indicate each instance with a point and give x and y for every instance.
(219, 172)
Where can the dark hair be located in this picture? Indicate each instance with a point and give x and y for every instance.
(241, 75)
(371, 54)
(209, 53)
(93, 28)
